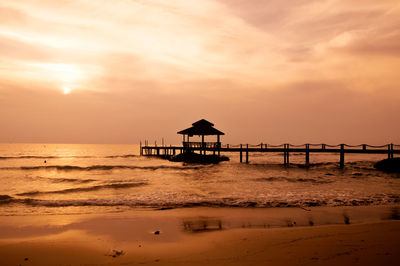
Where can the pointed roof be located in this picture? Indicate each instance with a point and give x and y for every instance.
(201, 127)
(203, 122)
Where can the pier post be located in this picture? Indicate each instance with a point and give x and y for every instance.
(247, 153)
(158, 151)
(284, 154)
(341, 156)
(287, 154)
(261, 146)
(140, 152)
(241, 153)
(285, 162)
(390, 151)
(307, 154)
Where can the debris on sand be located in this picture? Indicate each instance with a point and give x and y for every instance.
(116, 253)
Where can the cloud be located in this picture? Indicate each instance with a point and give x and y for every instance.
(245, 61)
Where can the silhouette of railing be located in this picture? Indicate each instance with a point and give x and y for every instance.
(207, 145)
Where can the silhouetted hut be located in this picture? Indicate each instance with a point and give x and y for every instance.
(201, 128)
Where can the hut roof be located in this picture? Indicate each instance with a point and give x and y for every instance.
(201, 127)
(203, 122)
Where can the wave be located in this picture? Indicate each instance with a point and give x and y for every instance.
(84, 189)
(61, 157)
(27, 157)
(40, 157)
(5, 199)
(389, 199)
(122, 156)
(292, 165)
(71, 180)
(61, 180)
(100, 167)
(293, 180)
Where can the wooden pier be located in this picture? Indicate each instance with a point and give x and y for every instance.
(245, 149)
(204, 128)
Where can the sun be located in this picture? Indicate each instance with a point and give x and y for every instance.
(67, 90)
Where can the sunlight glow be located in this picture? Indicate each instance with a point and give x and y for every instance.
(67, 90)
(66, 75)
(63, 72)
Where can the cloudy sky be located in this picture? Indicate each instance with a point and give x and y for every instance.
(267, 71)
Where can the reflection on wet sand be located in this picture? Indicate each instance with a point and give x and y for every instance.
(202, 224)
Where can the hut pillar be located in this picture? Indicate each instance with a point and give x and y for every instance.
(218, 145)
(202, 145)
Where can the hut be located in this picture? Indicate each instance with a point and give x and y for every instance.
(201, 128)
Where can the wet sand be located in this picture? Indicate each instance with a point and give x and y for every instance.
(205, 236)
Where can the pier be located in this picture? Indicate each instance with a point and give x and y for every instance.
(244, 150)
(203, 128)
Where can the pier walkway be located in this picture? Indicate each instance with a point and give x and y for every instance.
(245, 149)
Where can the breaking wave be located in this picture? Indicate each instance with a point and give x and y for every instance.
(229, 202)
(85, 189)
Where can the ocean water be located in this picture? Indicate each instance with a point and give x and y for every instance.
(68, 178)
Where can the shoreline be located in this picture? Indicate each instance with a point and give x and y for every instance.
(199, 236)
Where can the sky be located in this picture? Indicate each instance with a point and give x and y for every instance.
(271, 71)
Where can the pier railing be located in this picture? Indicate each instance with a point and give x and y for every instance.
(286, 149)
(208, 145)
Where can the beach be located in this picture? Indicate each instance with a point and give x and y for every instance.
(105, 205)
(205, 236)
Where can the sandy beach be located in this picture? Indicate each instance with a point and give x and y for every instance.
(205, 236)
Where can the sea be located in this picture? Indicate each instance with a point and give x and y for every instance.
(92, 178)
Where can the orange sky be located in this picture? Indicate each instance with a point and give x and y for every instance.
(263, 71)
